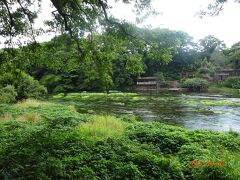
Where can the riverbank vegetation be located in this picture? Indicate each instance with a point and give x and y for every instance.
(50, 140)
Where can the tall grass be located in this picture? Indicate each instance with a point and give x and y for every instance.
(6, 117)
(31, 117)
(31, 103)
(101, 127)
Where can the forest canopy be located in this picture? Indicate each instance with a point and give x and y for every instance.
(96, 51)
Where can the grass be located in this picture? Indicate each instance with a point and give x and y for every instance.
(224, 90)
(30, 108)
(31, 117)
(101, 127)
(32, 103)
(6, 117)
(64, 144)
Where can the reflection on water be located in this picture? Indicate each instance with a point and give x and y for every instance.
(191, 111)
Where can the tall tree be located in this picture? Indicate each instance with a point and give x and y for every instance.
(173, 47)
(233, 55)
(209, 44)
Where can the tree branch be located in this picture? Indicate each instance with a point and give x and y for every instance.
(9, 14)
(29, 19)
(119, 24)
(63, 15)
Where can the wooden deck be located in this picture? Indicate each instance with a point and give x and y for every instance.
(147, 84)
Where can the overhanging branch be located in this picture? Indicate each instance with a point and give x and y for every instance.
(103, 6)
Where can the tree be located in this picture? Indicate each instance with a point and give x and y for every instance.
(233, 55)
(73, 16)
(76, 19)
(209, 44)
(176, 50)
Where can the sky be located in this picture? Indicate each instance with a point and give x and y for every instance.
(175, 15)
(181, 15)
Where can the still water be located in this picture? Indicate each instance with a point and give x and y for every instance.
(193, 111)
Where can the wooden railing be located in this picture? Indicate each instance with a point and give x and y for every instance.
(147, 83)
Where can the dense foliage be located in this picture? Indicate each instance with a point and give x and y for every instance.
(195, 84)
(8, 94)
(24, 85)
(110, 60)
(72, 146)
(231, 82)
(233, 55)
(52, 141)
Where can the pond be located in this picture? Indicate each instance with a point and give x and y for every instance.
(193, 111)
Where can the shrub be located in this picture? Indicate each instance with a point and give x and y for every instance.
(206, 69)
(168, 139)
(27, 87)
(6, 78)
(50, 81)
(8, 94)
(195, 84)
(231, 82)
(159, 76)
(208, 163)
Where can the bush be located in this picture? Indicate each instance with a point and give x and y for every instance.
(27, 87)
(51, 81)
(195, 84)
(168, 139)
(159, 76)
(8, 94)
(206, 69)
(231, 82)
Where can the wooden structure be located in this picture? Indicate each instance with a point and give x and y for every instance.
(219, 75)
(223, 74)
(147, 83)
(187, 75)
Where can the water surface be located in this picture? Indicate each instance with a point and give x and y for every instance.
(193, 111)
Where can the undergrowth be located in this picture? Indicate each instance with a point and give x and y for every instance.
(44, 140)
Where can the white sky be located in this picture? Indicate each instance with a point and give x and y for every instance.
(176, 15)
(181, 15)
